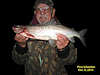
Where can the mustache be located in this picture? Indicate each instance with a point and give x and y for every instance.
(43, 16)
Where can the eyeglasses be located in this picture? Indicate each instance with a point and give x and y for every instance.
(43, 9)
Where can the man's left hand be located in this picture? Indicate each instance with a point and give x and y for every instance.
(62, 41)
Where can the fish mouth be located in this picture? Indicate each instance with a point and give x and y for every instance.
(17, 29)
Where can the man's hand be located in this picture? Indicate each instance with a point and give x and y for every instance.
(21, 40)
(62, 41)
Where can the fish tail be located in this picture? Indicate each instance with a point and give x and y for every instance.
(82, 34)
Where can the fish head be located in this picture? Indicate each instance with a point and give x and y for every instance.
(18, 29)
(22, 30)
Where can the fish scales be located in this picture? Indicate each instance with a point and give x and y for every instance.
(47, 32)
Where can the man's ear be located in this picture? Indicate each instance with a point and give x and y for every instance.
(34, 12)
(53, 12)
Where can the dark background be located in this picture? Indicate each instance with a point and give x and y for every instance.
(76, 14)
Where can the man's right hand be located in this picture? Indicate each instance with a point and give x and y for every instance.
(21, 40)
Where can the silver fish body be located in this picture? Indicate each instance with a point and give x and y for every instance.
(49, 32)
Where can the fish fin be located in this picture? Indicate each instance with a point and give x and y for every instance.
(82, 34)
(72, 40)
(52, 43)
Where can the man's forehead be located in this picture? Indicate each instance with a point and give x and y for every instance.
(42, 5)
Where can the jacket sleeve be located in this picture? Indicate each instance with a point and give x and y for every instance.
(19, 54)
(68, 55)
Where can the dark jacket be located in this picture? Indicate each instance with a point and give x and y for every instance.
(40, 58)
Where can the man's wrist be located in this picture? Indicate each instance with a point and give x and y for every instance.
(22, 44)
(64, 52)
(61, 49)
(20, 49)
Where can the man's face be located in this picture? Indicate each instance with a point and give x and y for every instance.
(43, 13)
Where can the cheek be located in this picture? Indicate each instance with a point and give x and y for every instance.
(49, 16)
(37, 16)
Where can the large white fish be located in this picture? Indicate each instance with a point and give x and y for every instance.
(49, 32)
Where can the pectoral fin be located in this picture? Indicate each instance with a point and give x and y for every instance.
(72, 40)
(52, 43)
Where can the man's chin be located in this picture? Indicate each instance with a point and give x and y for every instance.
(43, 22)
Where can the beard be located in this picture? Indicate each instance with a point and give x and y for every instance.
(42, 19)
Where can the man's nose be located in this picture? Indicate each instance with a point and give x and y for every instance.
(42, 12)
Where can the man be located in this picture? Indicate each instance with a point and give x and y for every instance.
(38, 56)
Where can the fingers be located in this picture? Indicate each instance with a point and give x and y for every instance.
(62, 41)
(60, 36)
(20, 38)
